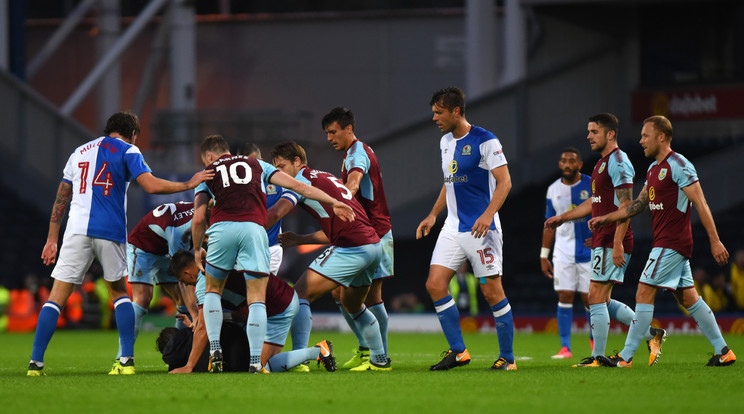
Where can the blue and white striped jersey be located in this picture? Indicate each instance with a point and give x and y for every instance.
(569, 238)
(467, 163)
(99, 172)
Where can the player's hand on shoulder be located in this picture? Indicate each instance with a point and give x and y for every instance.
(424, 228)
(200, 177)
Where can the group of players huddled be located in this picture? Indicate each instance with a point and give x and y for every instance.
(218, 255)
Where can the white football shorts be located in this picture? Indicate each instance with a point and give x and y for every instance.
(275, 260)
(569, 276)
(77, 253)
(484, 254)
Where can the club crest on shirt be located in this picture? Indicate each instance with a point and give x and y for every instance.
(662, 174)
(601, 168)
(270, 189)
(651, 193)
(466, 150)
(452, 167)
(584, 195)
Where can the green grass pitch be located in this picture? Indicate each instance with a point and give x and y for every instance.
(77, 363)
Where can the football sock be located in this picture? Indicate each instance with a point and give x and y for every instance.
(367, 325)
(256, 330)
(139, 313)
(45, 327)
(124, 315)
(620, 312)
(600, 327)
(352, 325)
(212, 310)
(589, 320)
(382, 318)
(449, 319)
(502, 315)
(644, 314)
(706, 321)
(183, 310)
(284, 361)
(564, 316)
(301, 326)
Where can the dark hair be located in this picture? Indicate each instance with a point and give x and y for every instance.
(215, 144)
(164, 337)
(661, 123)
(249, 148)
(574, 150)
(606, 120)
(123, 123)
(288, 151)
(449, 98)
(179, 261)
(339, 114)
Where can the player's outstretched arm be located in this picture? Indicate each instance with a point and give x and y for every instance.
(426, 224)
(197, 347)
(155, 185)
(631, 209)
(340, 209)
(582, 210)
(63, 199)
(291, 239)
(695, 193)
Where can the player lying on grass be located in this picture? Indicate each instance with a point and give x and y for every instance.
(281, 307)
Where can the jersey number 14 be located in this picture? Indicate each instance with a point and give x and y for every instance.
(102, 178)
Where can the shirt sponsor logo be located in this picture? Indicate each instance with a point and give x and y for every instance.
(601, 168)
(456, 179)
(466, 150)
(597, 199)
(452, 167)
(656, 206)
(651, 193)
(662, 174)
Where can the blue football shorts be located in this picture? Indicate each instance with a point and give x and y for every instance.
(148, 268)
(604, 269)
(667, 269)
(243, 246)
(349, 266)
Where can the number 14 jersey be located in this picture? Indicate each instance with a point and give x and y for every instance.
(99, 172)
